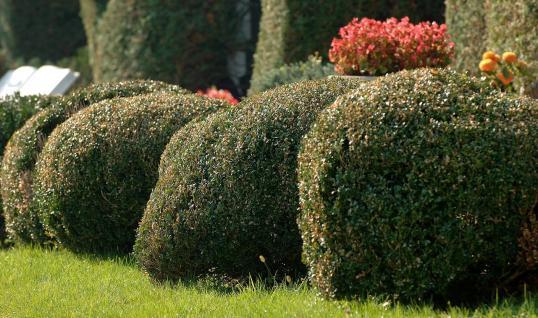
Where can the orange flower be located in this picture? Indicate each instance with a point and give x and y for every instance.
(491, 55)
(487, 65)
(509, 57)
(505, 80)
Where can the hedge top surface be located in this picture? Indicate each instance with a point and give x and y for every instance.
(227, 190)
(420, 185)
(96, 172)
(25, 145)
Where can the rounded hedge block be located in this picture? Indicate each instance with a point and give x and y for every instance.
(227, 189)
(14, 111)
(96, 172)
(25, 145)
(423, 184)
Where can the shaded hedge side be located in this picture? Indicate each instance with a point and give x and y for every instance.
(44, 29)
(14, 111)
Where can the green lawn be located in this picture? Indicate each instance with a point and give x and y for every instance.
(40, 283)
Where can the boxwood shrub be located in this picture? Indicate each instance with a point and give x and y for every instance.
(96, 172)
(422, 185)
(14, 111)
(291, 30)
(44, 29)
(466, 22)
(311, 69)
(227, 191)
(25, 145)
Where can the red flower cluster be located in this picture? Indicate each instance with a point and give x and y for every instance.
(213, 92)
(371, 47)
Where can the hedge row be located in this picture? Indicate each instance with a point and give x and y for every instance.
(422, 185)
(227, 191)
(291, 30)
(97, 169)
(44, 29)
(183, 42)
(14, 111)
(24, 148)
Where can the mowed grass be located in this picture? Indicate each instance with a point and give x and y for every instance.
(42, 283)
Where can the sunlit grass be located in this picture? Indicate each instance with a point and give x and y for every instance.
(42, 283)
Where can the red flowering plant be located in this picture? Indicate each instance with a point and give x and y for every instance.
(213, 92)
(371, 47)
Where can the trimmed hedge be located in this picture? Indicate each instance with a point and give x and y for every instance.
(422, 184)
(96, 172)
(513, 26)
(14, 111)
(25, 146)
(44, 29)
(311, 69)
(174, 41)
(227, 189)
(291, 30)
(467, 27)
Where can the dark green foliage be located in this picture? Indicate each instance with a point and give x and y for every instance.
(421, 184)
(91, 12)
(291, 30)
(467, 27)
(184, 42)
(513, 26)
(44, 29)
(14, 111)
(310, 69)
(25, 145)
(227, 190)
(95, 173)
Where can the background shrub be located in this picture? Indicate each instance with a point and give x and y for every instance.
(477, 26)
(291, 30)
(44, 29)
(467, 27)
(423, 184)
(14, 111)
(95, 173)
(25, 145)
(227, 189)
(513, 26)
(91, 12)
(184, 42)
(311, 69)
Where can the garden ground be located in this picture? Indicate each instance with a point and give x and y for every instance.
(42, 283)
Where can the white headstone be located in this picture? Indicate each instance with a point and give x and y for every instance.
(49, 80)
(13, 80)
